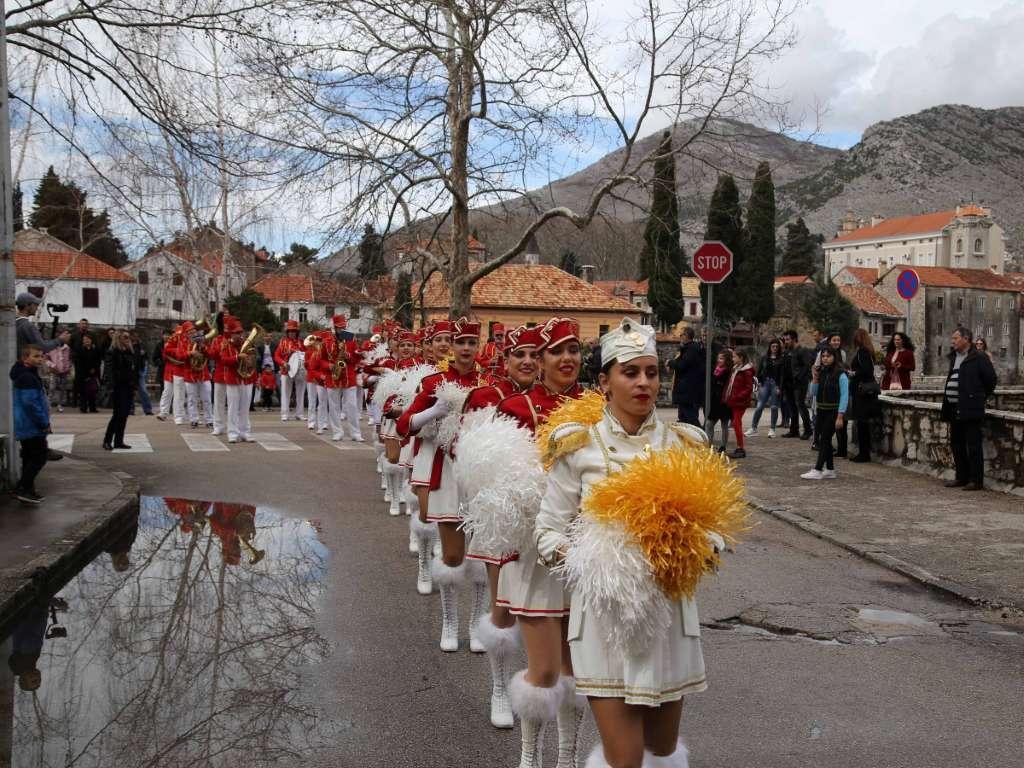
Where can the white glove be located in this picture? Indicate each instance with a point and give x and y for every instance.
(437, 411)
(372, 379)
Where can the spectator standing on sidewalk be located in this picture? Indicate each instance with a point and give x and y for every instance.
(142, 366)
(31, 421)
(25, 323)
(769, 379)
(899, 362)
(687, 370)
(970, 382)
(158, 359)
(830, 390)
(832, 341)
(75, 342)
(720, 412)
(737, 397)
(87, 373)
(796, 376)
(58, 360)
(122, 376)
(864, 391)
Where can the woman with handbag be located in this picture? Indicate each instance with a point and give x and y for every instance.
(865, 389)
(899, 362)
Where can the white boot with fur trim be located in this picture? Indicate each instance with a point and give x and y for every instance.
(678, 759)
(536, 708)
(481, 602)
(596, 759)
(570, 724)
(393, 476)
(407, 495)
(424, 533)
(500, 643)
(448, 580)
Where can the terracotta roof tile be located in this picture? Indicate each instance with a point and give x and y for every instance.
(308, 289)
(867, 299)
(530, 286)
(48, 265)
(900, 225)
(943, 277)
(866, 275)
(791, 280)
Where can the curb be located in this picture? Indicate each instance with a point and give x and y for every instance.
(970, 595)
(47, 573)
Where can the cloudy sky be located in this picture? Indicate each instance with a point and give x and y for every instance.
(871, 60)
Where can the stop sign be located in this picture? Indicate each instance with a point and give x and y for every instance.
(712, 262)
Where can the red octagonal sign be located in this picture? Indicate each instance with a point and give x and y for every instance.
(712, 262)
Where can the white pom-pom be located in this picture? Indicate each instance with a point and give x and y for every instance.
(455, 396)
(389, 383)
(606, 569)
(411, 378)
(378, 354)
(473, 465)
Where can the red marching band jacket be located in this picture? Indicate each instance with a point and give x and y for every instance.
(531, 408)
(286, 347)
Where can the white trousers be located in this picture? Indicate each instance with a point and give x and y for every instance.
(322, 407)
(287, 385)
(238, 396)
(350, 407)
(178, 406)
(312, 403)
(334, 412)
(165, 398)
(220, 408)
(199, 391)
(375, 412)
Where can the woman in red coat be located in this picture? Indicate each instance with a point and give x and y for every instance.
(737, 396)
(899, 362)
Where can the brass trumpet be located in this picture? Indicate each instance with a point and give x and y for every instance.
(203, 324)
(255, 555)
(246, 355)
(312, 341)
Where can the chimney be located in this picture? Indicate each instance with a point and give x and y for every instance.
(532, 255)
(876, 219)
(587, 272)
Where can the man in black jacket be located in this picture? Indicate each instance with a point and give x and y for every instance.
(688, 379)
(970, 382)
(796, 377)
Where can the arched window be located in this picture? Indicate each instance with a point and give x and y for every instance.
(959, 245)
(978, 246)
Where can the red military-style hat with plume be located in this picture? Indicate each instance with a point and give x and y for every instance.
(522, 338)
(497, 328)
(466, 329)
(232, 324)
(339, 321)
(438, 327)
(557, 330)
(291, 325)
(405, 336)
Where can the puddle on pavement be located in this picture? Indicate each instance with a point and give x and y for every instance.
(184, 643)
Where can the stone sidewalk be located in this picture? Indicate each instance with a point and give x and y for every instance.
(967, 544)
(42, 546)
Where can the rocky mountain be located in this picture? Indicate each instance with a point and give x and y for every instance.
(924, 162)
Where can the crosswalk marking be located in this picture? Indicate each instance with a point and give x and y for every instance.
(344, 445)
(203, 442)
(139, 444)
(62, 443)
(272, 441)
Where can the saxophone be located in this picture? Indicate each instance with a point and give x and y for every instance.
(339, 367)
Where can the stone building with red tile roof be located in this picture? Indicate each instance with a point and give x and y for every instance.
(208, 240)
(174, 287)
(59, 274)
(878, 316)
(305, 295)
(524, 294)
(965, 237)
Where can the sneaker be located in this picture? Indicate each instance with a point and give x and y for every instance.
(828, 474)
(771, 433)
(60, 409)
(739, 453)
(812, 475)
(232, 439)
(179, 422)
(337, 438)
(217, 432)
(752, 432)
(27, 497)
(284, 418)
(358, 439)
(159, 417)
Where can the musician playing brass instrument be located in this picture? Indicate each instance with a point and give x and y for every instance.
(175, 362)
(197, 373)
(338, 362)
(235, 359)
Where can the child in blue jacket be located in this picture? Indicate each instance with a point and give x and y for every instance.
(31, 421)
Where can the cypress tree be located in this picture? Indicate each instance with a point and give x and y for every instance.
(827, 308)
(371, 255)
(801, 253)
(725, 223)
(661, 257)
(756, 278)
(403, 300)
(569, 263)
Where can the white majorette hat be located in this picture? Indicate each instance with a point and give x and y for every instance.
(627, 342)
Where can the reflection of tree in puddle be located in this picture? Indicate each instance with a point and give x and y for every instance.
(184, 651)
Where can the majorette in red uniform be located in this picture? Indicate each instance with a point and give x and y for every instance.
(175, 360)
(497, 633)
(438, 494)
(289, 345)
(394, 473)
(238, 388)
(492, 356)
(527, 589)
(197, 379)
(220, 395)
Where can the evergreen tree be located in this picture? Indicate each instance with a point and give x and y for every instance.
(800, 256)
(371, 255)
(253, 307)
(828, 309)
(103, 244)
(725, 223)
(569, 263)
(403, 300)
(661, 258)
(299, 254)
(756, 278)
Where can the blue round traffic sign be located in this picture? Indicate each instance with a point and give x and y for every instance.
(907, 284)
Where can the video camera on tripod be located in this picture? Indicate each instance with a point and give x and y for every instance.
(55, 311)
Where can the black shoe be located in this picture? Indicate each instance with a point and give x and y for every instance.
(814, 446)
(27, 497)
(842, 455)
(861, 459)
(791, 434)
(93, 410)
(52, 455)
(805, 436)
(973, 487)
(195, 424)
(122, 447)
(108, 447)
(955, 483)
(739, 453)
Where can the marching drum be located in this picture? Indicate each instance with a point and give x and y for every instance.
(296, 364)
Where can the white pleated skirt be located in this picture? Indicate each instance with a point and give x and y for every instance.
(527, 588)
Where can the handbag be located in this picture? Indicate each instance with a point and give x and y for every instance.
(869, 389)
(895, 385)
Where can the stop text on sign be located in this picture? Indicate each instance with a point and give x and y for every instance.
(712, 262)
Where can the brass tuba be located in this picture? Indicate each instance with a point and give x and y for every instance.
(196, 356)
(246, 355)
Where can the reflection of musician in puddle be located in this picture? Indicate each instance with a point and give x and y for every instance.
(120, 548)
(27, 645)
(191, 512)
(235, 526)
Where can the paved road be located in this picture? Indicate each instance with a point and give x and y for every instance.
(815, 656)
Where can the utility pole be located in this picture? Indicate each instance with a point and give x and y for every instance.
(8, 337)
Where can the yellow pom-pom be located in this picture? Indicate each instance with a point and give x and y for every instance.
(669, 502)
(586, 410)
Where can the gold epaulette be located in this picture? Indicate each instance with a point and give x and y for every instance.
(690, 435)
(563, 440)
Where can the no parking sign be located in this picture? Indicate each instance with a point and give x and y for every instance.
(907, 285)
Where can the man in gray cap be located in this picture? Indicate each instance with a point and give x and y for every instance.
(28, 333)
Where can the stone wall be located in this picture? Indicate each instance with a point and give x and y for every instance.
(1003, 399)
(914, 436)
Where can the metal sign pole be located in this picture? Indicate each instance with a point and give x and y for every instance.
(907, 331)
(709, 324)
(8, 341)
